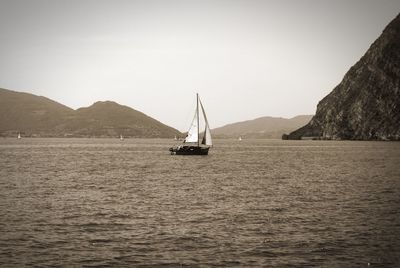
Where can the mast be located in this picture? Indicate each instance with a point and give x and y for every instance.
(198, 126)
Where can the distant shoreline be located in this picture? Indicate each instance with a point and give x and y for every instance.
(179, 141)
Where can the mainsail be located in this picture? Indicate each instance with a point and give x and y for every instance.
(207, 132)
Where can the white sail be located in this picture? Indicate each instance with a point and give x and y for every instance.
(193, 133)
(207, 132)
(208, 140)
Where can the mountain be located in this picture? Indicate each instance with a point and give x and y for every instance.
(263, 127)
(366, 103)
(39, 116)
(27, 113)
(107, 118)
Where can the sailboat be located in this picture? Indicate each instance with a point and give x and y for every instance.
(19, 136)
(192, 144)
(121, 137)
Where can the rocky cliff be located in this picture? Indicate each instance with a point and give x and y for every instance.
(366, 104)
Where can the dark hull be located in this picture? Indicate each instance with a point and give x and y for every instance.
(189, 150)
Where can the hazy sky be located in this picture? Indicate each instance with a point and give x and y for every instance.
(246, 59)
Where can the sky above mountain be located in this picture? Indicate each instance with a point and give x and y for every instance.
(246, 59)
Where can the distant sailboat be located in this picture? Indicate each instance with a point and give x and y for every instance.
(121, 137)
(192, 144)
(19, 135)
(240, 138)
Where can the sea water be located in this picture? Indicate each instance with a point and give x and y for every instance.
(272, 203)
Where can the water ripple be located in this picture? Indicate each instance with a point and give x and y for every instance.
(268, 203)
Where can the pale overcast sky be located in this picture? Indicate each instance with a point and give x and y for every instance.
(246, 59)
